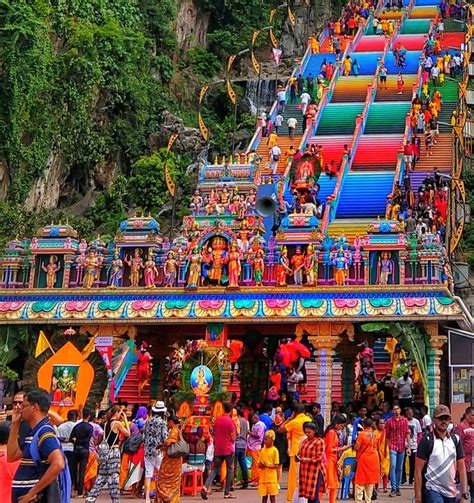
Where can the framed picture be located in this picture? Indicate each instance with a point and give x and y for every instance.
(64, 384)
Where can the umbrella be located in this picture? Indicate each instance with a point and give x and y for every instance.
(295, 346)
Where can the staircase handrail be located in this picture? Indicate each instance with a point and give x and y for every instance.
(124, 364)
(400, 168)
(327, 95)
(333, 199)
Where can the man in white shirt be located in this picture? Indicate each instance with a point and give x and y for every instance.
(425, 419)
(64, 435)
(278, 123)
(415, 430)
(435, 75)
(281, 100)
(305, 97)
(292, 123)
(275, 154)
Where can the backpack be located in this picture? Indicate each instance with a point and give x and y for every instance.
(132, 444)
(63, 482)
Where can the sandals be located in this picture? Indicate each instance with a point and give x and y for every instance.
(204, 495)
(229, 497)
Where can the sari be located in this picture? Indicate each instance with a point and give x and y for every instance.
(168, 484)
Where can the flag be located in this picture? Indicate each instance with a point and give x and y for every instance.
(42, 345)
(272, 15)
(255, 64)
(231, 92)
(169, 181)
(90, 347)
(291, 17)
(277, 55)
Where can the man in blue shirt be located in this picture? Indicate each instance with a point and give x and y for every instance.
(31, 481)
(266, 417)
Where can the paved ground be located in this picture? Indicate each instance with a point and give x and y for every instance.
(251, 496)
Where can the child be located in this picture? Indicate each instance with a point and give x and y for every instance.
(268, 466)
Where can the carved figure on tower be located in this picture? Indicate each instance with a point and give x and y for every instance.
(51, 269)
(258, 264)
(310, 265)
(234, 267)
(150, 271)
(384, 269)
(243, 239)
(283, 267)
(297, 263)
(218, 259)
(116, 271)
(91, 266)
(136, 265)
(194, 268)
(170, 269)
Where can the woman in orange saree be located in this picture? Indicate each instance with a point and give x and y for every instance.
(168, 484)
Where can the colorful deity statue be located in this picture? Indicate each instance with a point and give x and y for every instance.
(297, 263)
(340, 266)
(234, 267)
(311, 265)
(234, 205)
(218, 259)
(258, 264)
(327, 259)
(51, 269)
(211, 202)
(116, 271)
(243, 239)
(445, 272)
(150, 271)
(170, 269)
(136, 265)
(283, 267)
(385, 269)
(91, 266)
(251, 199)
(193, 267)
(196, 203)
(224, 197)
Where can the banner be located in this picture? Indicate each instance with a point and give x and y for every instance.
(203, 128)
(291, 17)
(230, 62)
(273, 39)
(171, 141)
(202, 93)
(103, 345)
(231, 92)
(277, 53)
(272, 15)
(255, 64)
(255, 36)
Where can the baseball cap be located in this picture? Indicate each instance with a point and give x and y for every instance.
(441, 410)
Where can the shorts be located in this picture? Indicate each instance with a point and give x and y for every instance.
(383, 78)
(152, 464)
(268, 489)
(408, 158)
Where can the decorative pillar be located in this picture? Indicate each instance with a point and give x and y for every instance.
(435, 351)
(325, 345)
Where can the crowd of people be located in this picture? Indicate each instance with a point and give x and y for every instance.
(368, 449)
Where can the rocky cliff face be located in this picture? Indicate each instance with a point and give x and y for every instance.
(192, 25)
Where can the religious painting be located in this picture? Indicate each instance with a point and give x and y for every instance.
(201, 380)
(384, 268)
(64, 384)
